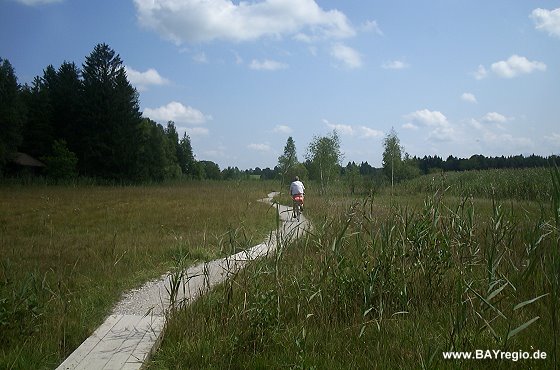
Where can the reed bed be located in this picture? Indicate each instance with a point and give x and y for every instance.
(387, 282)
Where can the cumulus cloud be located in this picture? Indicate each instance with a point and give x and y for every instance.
(349, 130)
(267, 65)
(367, 132)
(395, 64)
(197, 131)
(515, 66)
(259, 147)
(468, 97)
(144, 79)
(350, 57)
(547, 20)
(440, 128)
(493, 117)
(178, 113)
(428, 118)
(340, 128)
(282, 129)
(372, 26)
(480, 73)
(204, 21)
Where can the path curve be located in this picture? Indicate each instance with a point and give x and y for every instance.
(135, 327)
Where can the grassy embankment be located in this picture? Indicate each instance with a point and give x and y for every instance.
(391, 282)
(67, 253)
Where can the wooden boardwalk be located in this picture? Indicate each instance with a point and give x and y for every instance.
(127, 339)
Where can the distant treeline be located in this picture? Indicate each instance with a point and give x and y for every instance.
(428, 164)
(87, 122)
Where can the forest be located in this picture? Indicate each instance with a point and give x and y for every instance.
(86, 122)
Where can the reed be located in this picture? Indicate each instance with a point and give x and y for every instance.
(385, 282)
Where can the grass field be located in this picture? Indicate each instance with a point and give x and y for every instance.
(67, 253)
(387, 282)
(382, 281)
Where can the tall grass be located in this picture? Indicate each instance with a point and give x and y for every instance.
(521, 184)
(385, 282)
(68, 252)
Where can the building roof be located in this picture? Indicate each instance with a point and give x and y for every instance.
(26, 160)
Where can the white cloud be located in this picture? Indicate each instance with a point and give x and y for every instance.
(554, 138)
(267, 65)
(178, 113)
(494, 117)
(367, 133)
(515, 66)
(468, 97)
(410, 126)
(480, 73)
(507, 141)
(350, 57)
(428, 118)
(341, 129)
(476, 124)
(372, 26)
(363, 132)
(204, 21)
(144, 79)
(441, 129)
(395, 64)
(282, 129)
(197, 131)
(38, 2)
(547, 20)
(259, 147)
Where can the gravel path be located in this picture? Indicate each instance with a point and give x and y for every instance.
(154, 298)
(135, 328)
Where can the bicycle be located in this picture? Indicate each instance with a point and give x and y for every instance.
(297, 206)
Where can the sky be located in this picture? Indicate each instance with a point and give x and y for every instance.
(451, 77)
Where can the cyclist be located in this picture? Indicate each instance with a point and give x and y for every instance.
(297, 191)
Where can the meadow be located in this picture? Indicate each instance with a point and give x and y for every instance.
(386, 279)
(68, 252)
(389, 281)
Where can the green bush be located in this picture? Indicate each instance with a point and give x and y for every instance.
(62, 163)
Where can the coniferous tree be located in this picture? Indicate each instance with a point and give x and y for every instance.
(288, 161)
(38, 135)
(65, 93)
(187, 161)
(11, 113)
(109, 130)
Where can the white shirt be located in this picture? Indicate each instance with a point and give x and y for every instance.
(297, 187)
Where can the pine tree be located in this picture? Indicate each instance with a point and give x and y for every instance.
(109, 130)
(288, 161)
(11, 113)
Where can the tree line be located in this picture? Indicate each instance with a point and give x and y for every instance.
(87, 122)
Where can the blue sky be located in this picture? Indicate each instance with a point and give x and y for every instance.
(451, 77)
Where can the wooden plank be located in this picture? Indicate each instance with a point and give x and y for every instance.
(111, 343)
(89, 344)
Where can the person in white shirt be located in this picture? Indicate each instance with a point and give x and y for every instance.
(297, 191)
